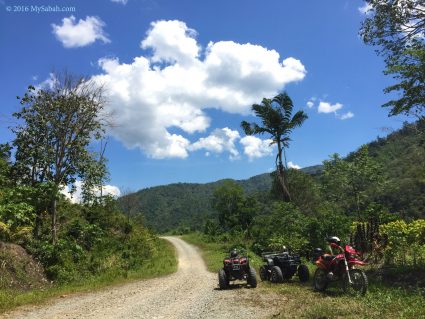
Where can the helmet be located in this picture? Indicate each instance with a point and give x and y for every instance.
(284, 249)
(234, 253)
(334, 240)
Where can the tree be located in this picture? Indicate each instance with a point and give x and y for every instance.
(4, 165)
(397, 28)
(52, 140)
(354, 182)
(235, 210)
(278, 122)
(409, 68)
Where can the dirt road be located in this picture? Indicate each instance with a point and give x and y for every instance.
(191, 292)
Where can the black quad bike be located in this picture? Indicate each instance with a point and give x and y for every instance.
(280, 266)
(236, 268)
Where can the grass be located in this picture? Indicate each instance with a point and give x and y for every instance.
(296, 300)
(163, 263)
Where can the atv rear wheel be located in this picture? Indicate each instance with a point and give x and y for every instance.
(320, 282)
(264, 274)
(222, 279)
(303, 273)
(251, 277)
(276, 275)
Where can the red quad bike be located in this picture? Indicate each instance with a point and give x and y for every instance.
(332, 268)
(236, 267)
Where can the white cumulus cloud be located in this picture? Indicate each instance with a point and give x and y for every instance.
(347, 115)
(124, 2)
(294, 166)
(173, 86)
(255, 147)
(326, 107)
(219, 141)
(76, 197)
(75, 34)
(171, 41)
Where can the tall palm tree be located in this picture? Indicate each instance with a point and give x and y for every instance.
(278, 122)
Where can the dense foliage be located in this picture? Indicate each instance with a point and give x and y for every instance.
(92, 239)
(55, 127)
(397, 29)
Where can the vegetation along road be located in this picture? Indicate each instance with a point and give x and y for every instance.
(191, 292)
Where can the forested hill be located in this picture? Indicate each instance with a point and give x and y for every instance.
(187, 204)
(401, 155)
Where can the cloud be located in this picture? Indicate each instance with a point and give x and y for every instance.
(311, 101)
(76, 197)
(83, 33)
(347, 116)
(255, 147)
(171, 41)
(176, 80)
(326, 107)
(218, 141)
(124, 2)
(366, 8)
(294, 166)
(48, 83)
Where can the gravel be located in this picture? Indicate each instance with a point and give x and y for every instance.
(191, 292)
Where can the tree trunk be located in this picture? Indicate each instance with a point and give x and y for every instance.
(281, 175)
(53, 212)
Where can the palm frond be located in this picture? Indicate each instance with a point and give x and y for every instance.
(298, 119)
(246, 128)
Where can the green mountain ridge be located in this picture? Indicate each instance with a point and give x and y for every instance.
(188, 205)
(168, 207)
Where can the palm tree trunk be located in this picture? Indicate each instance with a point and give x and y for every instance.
(281, 175)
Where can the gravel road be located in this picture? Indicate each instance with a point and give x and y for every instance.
(191, 292)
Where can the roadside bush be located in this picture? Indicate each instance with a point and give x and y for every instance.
(405, 242)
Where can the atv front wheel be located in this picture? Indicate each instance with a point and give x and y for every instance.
(252, 277)
(264, 273)
(222, 279)
(303, 273)
(276, 275)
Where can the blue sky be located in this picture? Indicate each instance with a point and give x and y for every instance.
(182, 75)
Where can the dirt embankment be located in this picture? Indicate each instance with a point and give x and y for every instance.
(18, 270)
(191, 292)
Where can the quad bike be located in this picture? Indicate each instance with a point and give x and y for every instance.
(283, 266)
(340, 267)
(236, 268)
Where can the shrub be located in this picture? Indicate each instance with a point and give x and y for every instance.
(405, 242)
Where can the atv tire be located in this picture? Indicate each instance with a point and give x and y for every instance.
(320, 281)
(303, 273)
(252, 277)
(222, 279)
(264, 274)
(276, 275)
